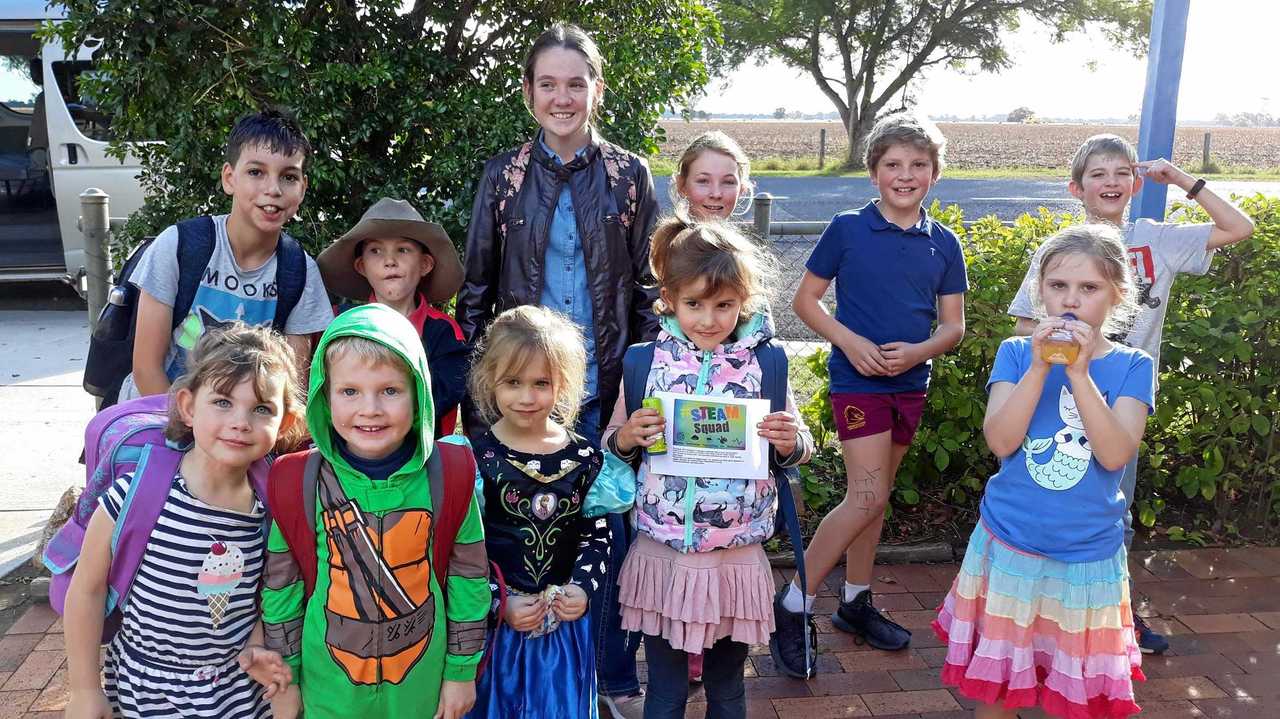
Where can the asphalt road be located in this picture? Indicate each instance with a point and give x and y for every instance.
(818, 198)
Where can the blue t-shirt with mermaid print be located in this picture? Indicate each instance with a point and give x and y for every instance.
(1051, 497)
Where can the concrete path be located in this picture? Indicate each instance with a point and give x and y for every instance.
(44, 411)
(1221, 609)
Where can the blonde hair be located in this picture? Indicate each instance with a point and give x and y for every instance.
(713, 141)
(1105, 245)
(683, 250)
(514, 339)
(906, 128)
(226, 356)
(370, 352)
(1105, 144)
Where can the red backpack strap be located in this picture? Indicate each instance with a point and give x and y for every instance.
(291, 491)
(455, 467)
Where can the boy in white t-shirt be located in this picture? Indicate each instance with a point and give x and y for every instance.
(1105, 173)
(264, 174)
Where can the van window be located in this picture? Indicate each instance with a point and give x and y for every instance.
(17, 91)
(91, 121)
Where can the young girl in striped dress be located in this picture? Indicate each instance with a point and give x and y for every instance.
(1039, 613)
(181, 647)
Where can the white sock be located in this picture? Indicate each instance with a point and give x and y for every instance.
(794, 599)
(853, 590)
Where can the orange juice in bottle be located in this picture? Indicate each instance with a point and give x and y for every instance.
(1060, 347)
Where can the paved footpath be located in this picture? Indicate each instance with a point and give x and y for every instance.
(1221, 609)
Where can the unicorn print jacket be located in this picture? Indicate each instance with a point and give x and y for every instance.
(700, 514)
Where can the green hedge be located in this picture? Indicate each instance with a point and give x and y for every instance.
(1209, 456)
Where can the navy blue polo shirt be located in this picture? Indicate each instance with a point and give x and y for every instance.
(888, 280)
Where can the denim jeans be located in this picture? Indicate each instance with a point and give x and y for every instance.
(669, 680)
(615, 649)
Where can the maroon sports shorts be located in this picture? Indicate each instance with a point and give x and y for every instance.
(859, 414)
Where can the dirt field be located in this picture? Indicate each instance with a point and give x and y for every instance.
(987, 145)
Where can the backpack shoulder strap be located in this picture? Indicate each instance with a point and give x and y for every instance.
(145, 500)
(291, 279)
(451, 473)
(291, 493)
(195, 249)
(773, 371)
(635, 374)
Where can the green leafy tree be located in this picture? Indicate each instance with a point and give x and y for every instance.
(398, 100)
(1021, 114)
(862, 54)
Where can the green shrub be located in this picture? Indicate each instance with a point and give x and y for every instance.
(1209, 451)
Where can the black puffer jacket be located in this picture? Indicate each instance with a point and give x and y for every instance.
(615, 208)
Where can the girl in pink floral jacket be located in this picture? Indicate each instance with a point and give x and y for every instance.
(696, 579)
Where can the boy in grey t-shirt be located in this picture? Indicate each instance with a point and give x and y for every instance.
(1105, 173)
(264, 174)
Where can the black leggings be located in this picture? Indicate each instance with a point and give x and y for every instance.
(668, 689)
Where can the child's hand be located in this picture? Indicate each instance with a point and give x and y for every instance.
(780, 429)
(1046, 327)
(865, 356)
(900, 357)
(524, 613)
(642, 429)
(1088, 338)
(88, 704)
(456, 699)
(267, 668)
(571, 605)
(287, 704)
(1165, 173)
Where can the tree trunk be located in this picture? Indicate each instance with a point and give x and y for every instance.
(859, 127)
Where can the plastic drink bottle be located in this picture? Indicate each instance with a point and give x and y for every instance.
(1060, 347)
(653, 403)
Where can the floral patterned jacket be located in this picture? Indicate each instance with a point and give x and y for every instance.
(701, 514)
(616, 209)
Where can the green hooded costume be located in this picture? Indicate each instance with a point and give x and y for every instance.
(378, 635)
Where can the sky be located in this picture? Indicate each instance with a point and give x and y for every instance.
(1229, 65)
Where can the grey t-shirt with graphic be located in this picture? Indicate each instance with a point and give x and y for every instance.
(1158, 252)
(227, 292)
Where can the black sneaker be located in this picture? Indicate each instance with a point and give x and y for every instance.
(1149, 640)
(794, 643)
(860, 617)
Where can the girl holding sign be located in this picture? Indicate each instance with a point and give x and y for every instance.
(696, 580)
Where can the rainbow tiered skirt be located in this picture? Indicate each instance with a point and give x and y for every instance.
(1024, 630)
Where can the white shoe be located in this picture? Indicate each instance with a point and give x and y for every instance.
(628, 707)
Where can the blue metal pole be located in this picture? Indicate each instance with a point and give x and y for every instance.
(1160, 99)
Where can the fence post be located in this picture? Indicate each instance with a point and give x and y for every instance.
(762, 207)
(1204, 165)
(822, 147)
(95, 225)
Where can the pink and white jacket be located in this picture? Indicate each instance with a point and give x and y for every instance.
(701, 514)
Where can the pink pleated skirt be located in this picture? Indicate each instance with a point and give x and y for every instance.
(694, 599)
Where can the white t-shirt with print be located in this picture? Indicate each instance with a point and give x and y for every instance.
(227, 292)
(1158, 252)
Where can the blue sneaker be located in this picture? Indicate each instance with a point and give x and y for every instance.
(1149, 641)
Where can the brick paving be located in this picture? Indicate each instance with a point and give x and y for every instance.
(1220, 607)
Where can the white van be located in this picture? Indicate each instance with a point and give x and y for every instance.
(53, 145)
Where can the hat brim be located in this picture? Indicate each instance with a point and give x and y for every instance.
(338, 268)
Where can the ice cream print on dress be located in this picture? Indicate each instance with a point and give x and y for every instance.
(1070, 459)
(220, 574)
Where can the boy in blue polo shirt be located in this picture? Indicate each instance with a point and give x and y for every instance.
(897, 273)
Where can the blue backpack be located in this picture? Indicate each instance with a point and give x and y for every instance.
(110, 357)
(773, 369)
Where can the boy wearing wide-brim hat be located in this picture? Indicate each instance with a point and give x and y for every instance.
(395, 257)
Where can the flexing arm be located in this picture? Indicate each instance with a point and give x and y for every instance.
(153, 330)
(86, 600)
(863, 354)
(1230, 224)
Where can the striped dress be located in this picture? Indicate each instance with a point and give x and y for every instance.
(191, 609)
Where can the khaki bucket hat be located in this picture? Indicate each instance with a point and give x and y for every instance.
(391, 218)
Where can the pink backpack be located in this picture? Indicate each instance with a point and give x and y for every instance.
(123, 439)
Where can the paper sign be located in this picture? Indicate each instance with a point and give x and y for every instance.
(712, 436)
